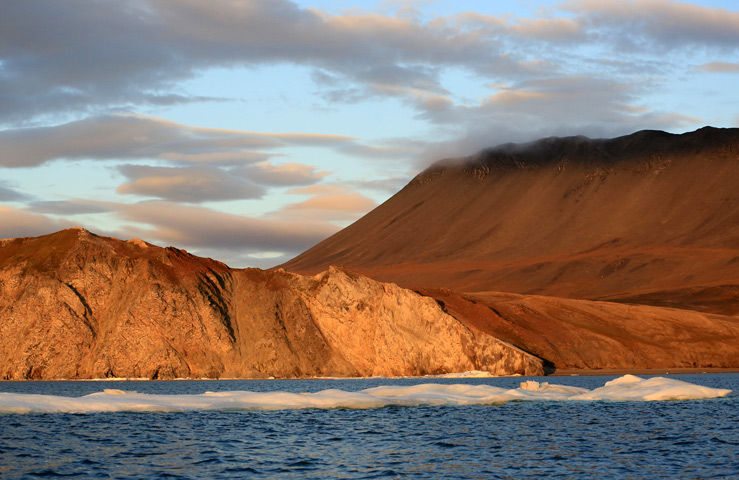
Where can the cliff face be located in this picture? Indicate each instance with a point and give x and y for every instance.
(381, 329)
(76, 305)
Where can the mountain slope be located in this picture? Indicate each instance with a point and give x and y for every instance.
(77, 305)
(591, 335)
(649, 218)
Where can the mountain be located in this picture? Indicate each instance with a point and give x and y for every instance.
(78, 305)
(640, 230)
(565, 254)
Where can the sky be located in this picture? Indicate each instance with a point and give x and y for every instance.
(250, 130)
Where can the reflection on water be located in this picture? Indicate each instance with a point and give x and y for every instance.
(675, 439)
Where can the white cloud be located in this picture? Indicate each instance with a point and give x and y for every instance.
(16, 223)
(285, 174)
(326, 203)
(186, 184)
(118, 137)
(199, 227)
(150, 47)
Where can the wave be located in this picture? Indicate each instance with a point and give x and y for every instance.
(626, 388)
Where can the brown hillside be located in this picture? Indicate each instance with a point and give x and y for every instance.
(78, 305)
(583, 334)
(649, 218)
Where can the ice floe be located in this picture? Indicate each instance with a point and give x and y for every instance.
(626, 388)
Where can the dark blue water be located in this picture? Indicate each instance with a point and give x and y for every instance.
(624, 440)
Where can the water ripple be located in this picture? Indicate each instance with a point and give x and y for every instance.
(683, 440)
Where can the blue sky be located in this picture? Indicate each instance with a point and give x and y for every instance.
(250, 130)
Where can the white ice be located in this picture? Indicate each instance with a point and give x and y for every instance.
(626, 388)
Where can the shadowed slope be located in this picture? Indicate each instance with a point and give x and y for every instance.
(583, 334)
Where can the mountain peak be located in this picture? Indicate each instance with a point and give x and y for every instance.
(81, 231)
(636, 150)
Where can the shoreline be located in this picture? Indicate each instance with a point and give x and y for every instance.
(565, 372)
(569, 372)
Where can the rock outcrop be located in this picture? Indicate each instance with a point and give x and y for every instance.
(77, 305)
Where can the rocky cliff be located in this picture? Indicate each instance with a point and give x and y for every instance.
(77, 305)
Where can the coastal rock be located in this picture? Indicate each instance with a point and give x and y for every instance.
(77, 305)
(382, 329)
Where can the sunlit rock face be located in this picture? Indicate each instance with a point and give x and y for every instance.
(77, 305)
(382, 329)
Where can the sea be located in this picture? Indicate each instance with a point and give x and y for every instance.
(421, 439)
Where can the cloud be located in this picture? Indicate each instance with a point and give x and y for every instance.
(388, 185)
(283, 175)
(186, 184)
(666, 24)
(134, 137)
(568, 98)
(69, 207)
(491, 133)
(399, 151)
(199, 227)
(427, 102)
(16, 223)
(718, 67)
(336, 202)
(581, 104)
(8, 194)
(150, 47)
(225, 159)
(549, 29)
(326, 203)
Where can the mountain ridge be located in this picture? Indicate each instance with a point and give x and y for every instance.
(77, 305)
(644, 146)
